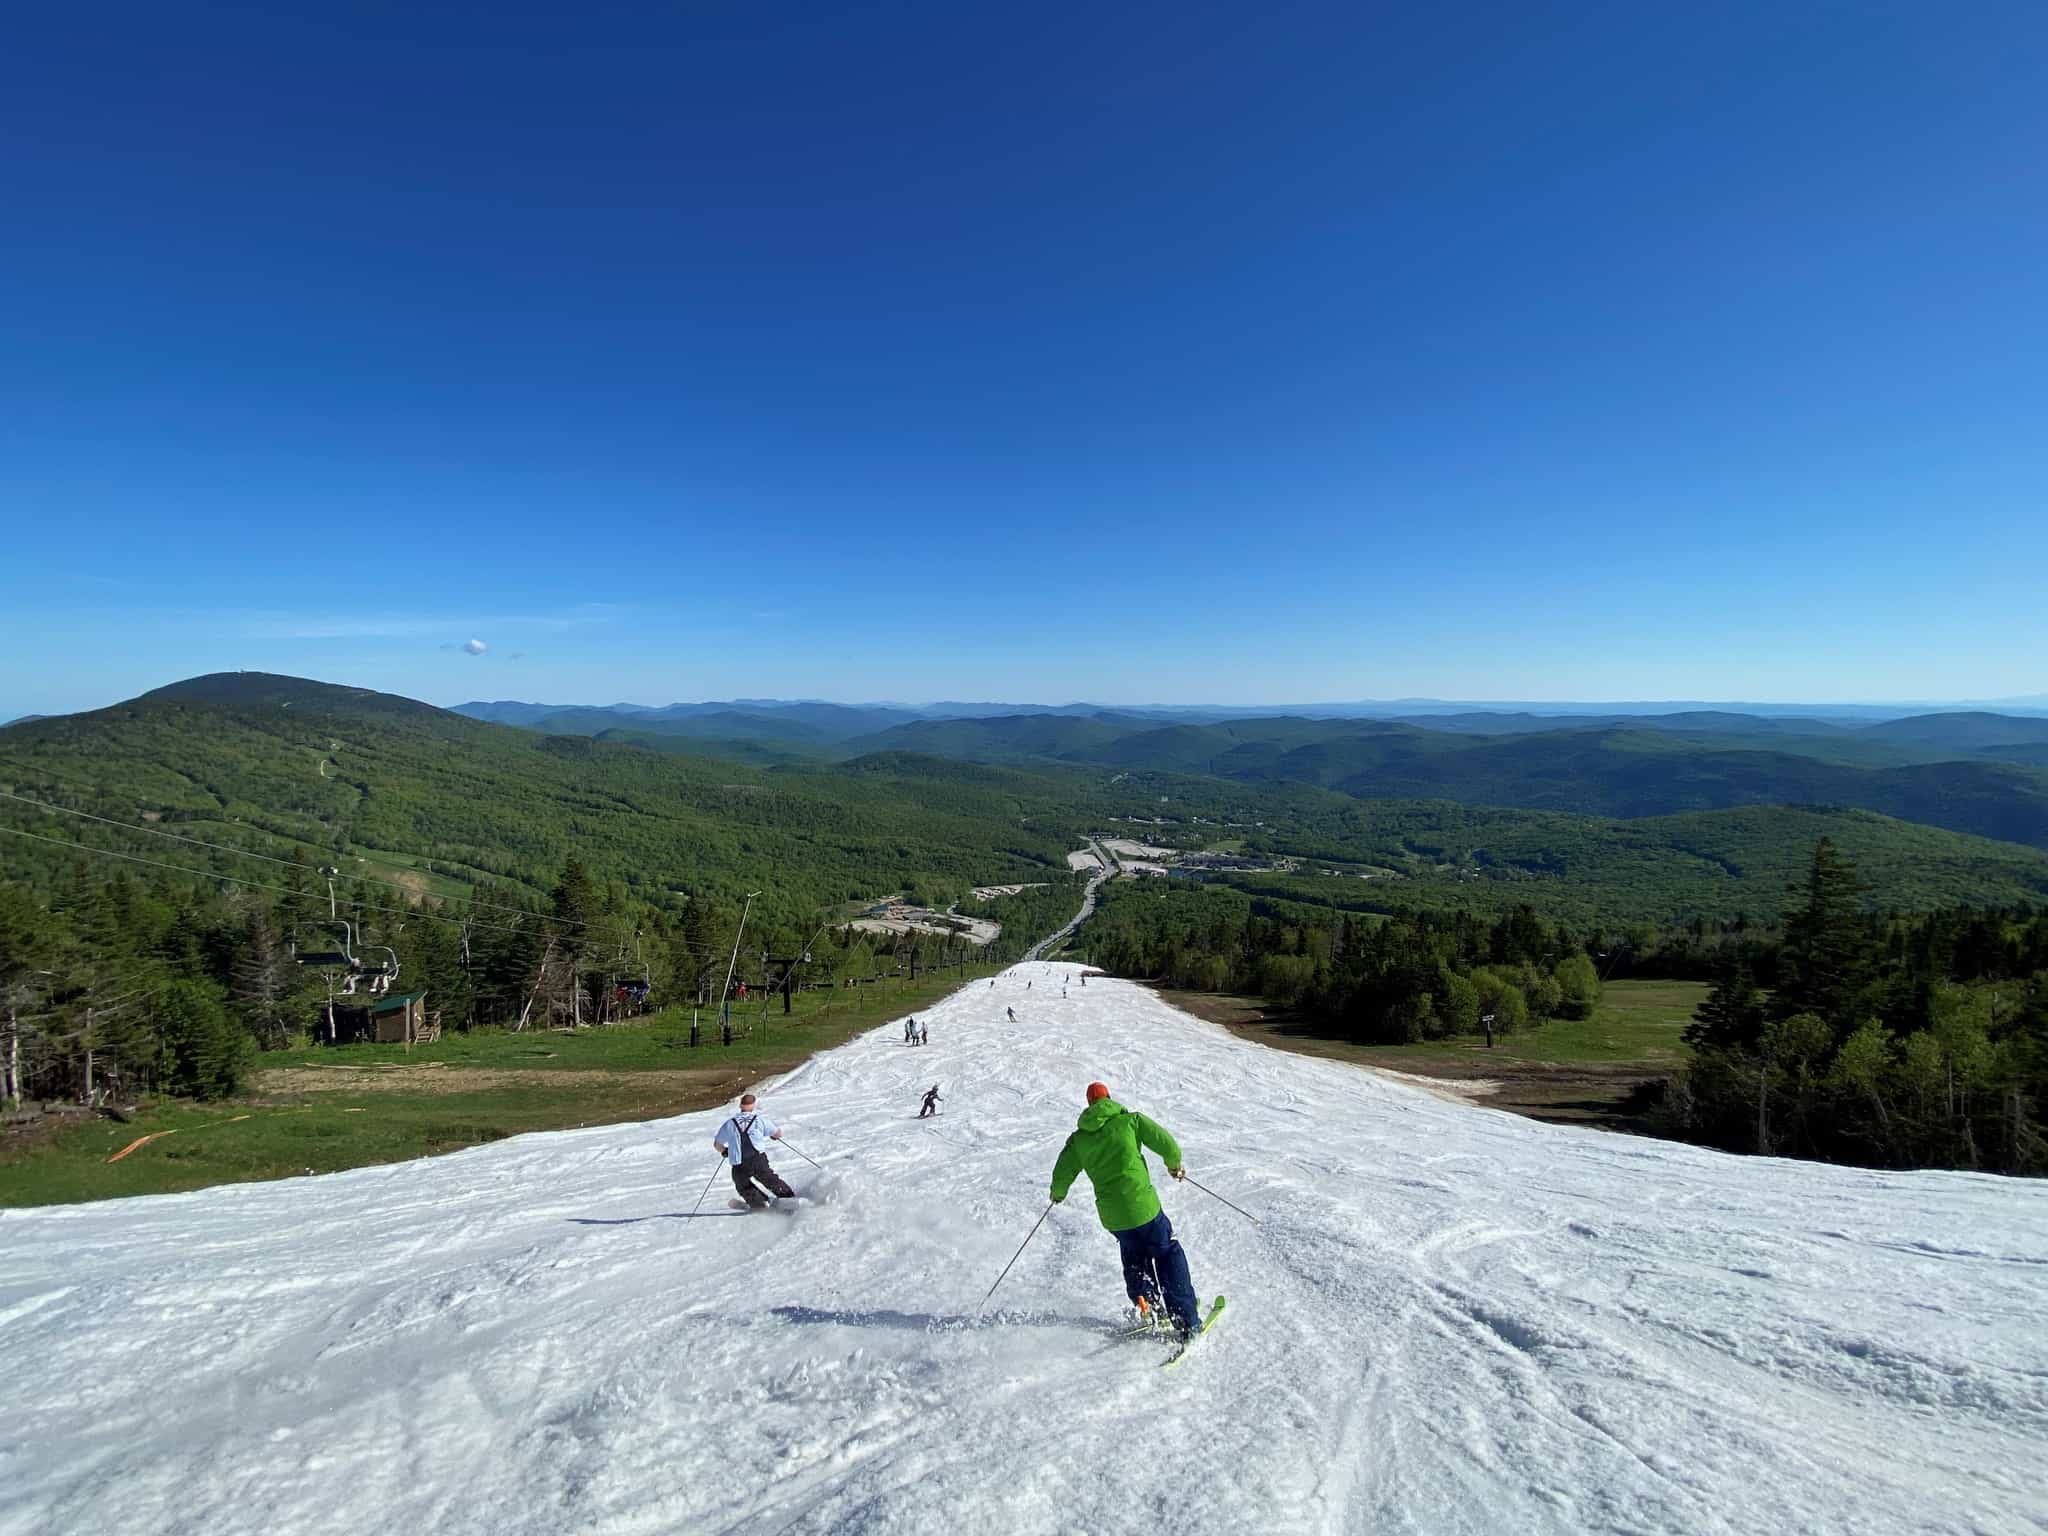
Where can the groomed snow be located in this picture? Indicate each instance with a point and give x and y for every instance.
(1450, 1320)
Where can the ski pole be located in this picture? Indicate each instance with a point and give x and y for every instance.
(799, 1151)
(1019, 1253)
(1205, 1189)
(707, 1186)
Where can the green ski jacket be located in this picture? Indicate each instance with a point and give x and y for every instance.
(1107, 1146)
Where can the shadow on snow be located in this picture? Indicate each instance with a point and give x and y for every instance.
(930, 1322)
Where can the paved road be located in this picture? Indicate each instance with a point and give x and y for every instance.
(1108, 863)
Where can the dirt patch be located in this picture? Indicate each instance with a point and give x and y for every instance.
(28, 1129)
(1611, 1096)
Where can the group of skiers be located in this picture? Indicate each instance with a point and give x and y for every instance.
(1108, 1144)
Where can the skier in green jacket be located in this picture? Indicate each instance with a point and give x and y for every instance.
(1108, 1146)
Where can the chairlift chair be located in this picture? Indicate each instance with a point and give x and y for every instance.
(380, 974)
(343, 956)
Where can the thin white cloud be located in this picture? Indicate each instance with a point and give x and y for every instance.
(475, 647)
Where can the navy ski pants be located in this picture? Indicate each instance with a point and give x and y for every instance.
(1154, 1264)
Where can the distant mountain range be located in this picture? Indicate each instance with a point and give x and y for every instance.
(1709, 816)
(1965, 770)
(1973, 771)
(798, 719)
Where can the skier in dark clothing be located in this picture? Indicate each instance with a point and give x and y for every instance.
(751, 1173)
(931, 1102)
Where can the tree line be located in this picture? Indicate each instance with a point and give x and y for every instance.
(116, 986)
(1895, 1041)
(1833, 1031)
(1377, 980)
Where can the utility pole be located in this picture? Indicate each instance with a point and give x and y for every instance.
(546, 955)
(732, 964)
(10, 1078)
(788, 964)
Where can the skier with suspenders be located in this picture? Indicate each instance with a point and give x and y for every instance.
(750, 1170)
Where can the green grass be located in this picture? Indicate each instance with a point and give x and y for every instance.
(575, 1079)
(1635, 1022)
(661, 1042)
(209, 1144)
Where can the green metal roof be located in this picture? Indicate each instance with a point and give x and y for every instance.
(397, 1000)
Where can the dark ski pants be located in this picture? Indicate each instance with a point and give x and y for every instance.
(1154, 1264)
(755, 1171)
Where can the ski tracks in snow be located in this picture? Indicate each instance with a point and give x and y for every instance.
(1448, 1320)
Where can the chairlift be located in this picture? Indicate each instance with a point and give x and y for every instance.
(380, 974)
(345, 956)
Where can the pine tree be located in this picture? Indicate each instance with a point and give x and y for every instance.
(261, 981)
(1826, 955)
(205, 1054)
(1732, 1017)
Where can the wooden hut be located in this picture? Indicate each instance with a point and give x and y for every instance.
(400, 1019)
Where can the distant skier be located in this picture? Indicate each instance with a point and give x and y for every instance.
(924, 1033)
(1012, 1013)
(750, 1171)
(1108, 1145)
(931, 1102)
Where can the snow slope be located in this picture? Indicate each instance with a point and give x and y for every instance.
(1450, 1320)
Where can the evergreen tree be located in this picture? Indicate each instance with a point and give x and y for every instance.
(1732, 1017)
(262, 981)
(1824, 962)
(205, 1055)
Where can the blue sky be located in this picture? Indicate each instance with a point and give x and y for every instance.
(915, 351)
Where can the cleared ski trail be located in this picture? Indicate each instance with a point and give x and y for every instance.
(1450, 1320)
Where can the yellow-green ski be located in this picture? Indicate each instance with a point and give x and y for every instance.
(1208, 1322)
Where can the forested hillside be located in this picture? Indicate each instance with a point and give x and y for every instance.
(1966, 771)
(1832, 1032)
(164, 858)
(390, 787)
(1977, 776)
(450, 801)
